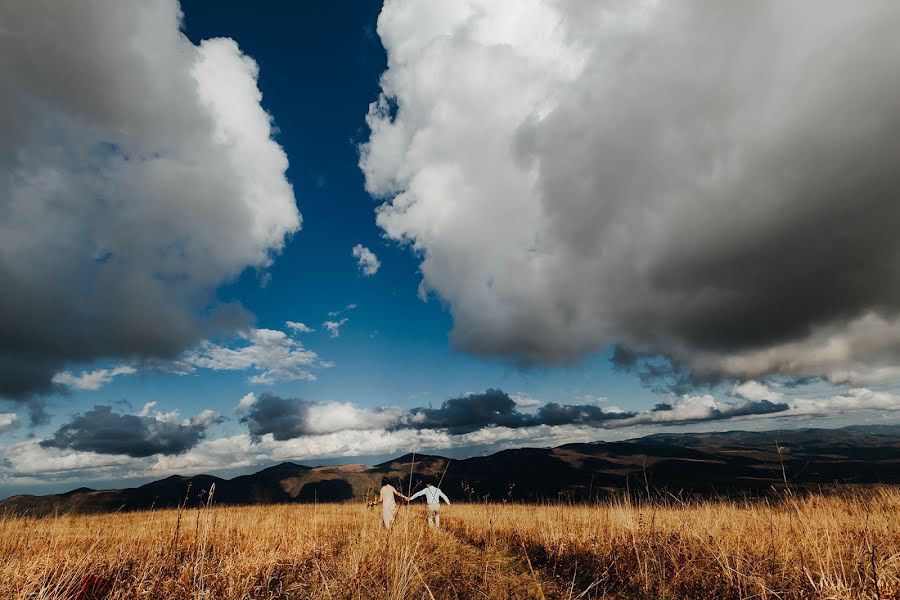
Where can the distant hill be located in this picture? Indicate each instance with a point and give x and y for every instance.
(733, 462)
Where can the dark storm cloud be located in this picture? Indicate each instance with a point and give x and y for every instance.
(103, 431)
(723, 204)
(23, 375)
(121, 209)
(495, 408)
(761, 407)
(284, 418)
(470, 412)
(576, 414)
(289, 418)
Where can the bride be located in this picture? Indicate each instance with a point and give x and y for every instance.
(388, 505)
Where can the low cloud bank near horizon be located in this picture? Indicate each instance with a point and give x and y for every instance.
(719, 205)
(309, 431)
(102, 441)
(494, 409)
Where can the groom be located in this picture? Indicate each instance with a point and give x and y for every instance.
(433, 497)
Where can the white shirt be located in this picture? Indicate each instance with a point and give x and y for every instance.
(432, 495)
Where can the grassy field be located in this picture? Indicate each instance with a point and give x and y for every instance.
(831, 546)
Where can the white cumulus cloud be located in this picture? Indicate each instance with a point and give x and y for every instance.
(92, 380)
(368, 262)
(673, 178)
(246, 401)
(346, 309)
(756, 391)
(523, 400)
(857, 399)
(298, 327)
(8, 422)
(272, 353)
(334, 327)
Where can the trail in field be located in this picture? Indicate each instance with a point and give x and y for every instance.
(413, 560)
(538, 574)
(502, 571)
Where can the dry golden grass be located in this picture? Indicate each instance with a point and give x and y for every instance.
(834, 546)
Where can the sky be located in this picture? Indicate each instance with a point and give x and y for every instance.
(234, 234)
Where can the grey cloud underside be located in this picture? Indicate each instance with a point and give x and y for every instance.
(103, 431)
(704, 184)
(496, 408)
(801, 232)
(284, 418)
(127, 186)
(289, 418)
(662, 374)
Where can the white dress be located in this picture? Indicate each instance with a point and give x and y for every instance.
(388, 506)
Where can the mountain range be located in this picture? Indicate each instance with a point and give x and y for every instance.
(720, 463)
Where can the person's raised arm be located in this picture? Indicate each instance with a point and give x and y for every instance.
(444, 496)
(417, 494)
(399, 494)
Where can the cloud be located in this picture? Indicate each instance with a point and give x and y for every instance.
(102, 431)
(92, 380)
(37, 412)
(346, 309)
(862, 374)
(298, 327)
(591, 399)
(755, 391)
(576, 174)
(275, 356)
(334, 327)
(137, 174)
(368, 262)
(469, 412)
(248, 400)
(287, 418)
(857, 399)
(33, 461)
(525, 401)
(8, 422)
(496, 408)
(834, 352)
(695, 409)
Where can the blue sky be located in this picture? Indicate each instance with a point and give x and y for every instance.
(532, 234)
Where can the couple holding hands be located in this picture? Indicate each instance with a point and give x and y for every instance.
(432, 494)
